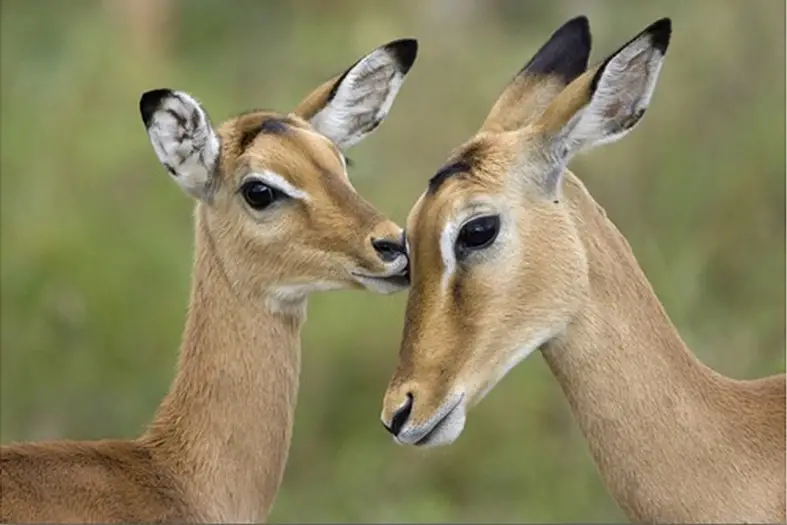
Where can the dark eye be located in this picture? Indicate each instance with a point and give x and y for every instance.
(477, 234)
(258, 195)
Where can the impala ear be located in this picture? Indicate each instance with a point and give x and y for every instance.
(559, 61)
(605, 103)
(183, 138)
(351, 105)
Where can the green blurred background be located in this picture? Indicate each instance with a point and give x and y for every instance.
(96, 240)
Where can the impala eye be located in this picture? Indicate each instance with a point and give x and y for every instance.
(477, 234)
(259, 195)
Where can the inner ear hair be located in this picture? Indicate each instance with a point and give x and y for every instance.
(183, 139)
(608, 101)
(350, 106)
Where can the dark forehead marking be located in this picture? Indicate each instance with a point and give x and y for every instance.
(272, 125)
(464, 162)
(445, 172)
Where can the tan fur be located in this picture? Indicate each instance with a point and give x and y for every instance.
(674, 441)
(217, 447)
(520, 102)
(566, 104)
(312, 104)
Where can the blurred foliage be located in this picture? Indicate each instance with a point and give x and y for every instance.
(96, 241)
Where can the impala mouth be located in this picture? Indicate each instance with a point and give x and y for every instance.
(383, 283)
(435, 431)
(443, 428)
(396, 280)
(400, 279)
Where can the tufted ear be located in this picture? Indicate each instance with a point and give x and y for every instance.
(183, 138)
(351, 105)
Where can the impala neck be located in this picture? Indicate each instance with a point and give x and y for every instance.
(645, 404)
(224, 428)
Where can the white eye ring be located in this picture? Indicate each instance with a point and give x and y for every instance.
(277, 183)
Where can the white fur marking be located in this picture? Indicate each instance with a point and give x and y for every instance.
(280, 183)
(449, 235)
(297, 292)
(379, 286)
(447, 240)
(447, 430)
(291, 298)
(444, 425)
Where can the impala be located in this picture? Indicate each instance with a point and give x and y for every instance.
(509, 253)
(276, 218)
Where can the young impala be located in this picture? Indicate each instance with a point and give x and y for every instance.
(509, 253)
(276, 218)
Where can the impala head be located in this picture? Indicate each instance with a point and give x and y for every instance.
(497, 266)
(273, 191)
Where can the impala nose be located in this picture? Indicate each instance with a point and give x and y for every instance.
(400, 417)
(388, 250)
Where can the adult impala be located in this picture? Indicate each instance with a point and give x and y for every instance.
(276, 218)
(509, 253)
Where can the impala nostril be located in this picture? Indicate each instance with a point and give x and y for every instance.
(387, 249)
(401, 416)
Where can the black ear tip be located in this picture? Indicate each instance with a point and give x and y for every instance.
(150, 101)
(580, 23)
(404, 50)
(566, 52)
(578, 27)
(660, 32)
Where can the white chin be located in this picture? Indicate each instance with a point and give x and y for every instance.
(446, 431)
(382, 285)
